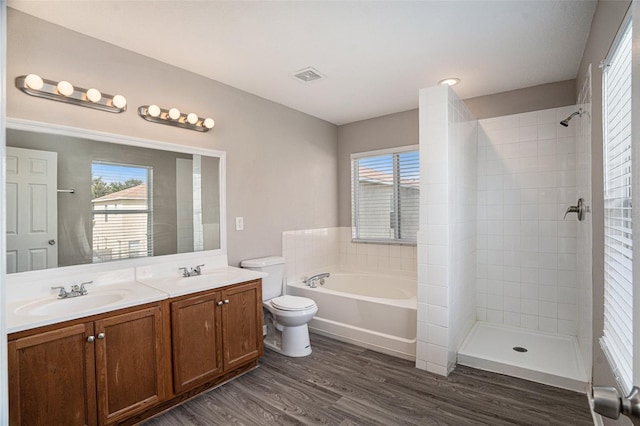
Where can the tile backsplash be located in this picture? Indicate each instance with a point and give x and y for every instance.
(310, 251)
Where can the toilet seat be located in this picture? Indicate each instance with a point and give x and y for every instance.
(292, 303)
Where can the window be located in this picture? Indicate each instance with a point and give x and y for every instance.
(385, 195)
(617, 340)
(121, 211)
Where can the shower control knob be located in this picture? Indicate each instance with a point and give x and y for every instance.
(580, 209)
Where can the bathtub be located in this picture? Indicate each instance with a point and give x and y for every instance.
(377, 312)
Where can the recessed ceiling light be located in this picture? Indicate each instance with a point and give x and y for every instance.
(449, 81)
(307, 75)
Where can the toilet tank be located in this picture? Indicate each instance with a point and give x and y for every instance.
(272, 265)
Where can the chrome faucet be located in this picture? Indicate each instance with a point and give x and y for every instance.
(75, 290)
(193, 271)
(314, 280)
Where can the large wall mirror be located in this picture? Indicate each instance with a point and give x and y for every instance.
(78, 197)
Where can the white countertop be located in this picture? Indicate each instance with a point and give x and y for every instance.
(32, 303)
(210, 279)
(36, 312)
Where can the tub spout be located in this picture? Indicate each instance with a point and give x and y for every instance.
(314, 280)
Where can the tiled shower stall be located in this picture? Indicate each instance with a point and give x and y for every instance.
(493, 244)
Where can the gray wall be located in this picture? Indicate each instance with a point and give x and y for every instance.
(607, 19)
(281, 164)
(535, 98)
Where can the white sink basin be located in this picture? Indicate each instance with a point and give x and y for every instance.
(53, 306)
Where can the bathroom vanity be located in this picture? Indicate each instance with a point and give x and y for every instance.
(125, 365)
(145, 337)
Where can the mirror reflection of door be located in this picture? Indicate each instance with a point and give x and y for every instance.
(32, 205)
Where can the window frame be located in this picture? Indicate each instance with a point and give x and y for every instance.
(106, 212)
(613, 330)
(396, 197)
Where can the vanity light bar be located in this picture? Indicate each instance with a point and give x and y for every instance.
(63, 91)
(174, 117)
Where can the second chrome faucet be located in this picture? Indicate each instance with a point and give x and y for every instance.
(190, 272)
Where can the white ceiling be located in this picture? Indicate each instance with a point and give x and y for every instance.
(375, 54)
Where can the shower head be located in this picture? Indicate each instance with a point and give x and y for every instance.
(565, 122)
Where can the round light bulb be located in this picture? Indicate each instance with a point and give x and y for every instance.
(209, 123)
(65, 88)
(174, 113)
(119, 101)
(34, 81)
(154, 111)
(94, 95)
(451, 81)
(192, 118)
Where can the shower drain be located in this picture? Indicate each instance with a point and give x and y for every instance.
(520, 349)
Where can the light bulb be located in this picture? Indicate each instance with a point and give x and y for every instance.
(209, 123)
(94, 95)
(174, 113)
(65, 88)
(451, 81)
(153, 110)
(192, 118)
(34, 81)
(119, 101)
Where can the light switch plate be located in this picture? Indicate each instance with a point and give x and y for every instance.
(239, 223)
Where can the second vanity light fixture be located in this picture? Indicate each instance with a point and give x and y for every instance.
(174, 117)
(63, 91)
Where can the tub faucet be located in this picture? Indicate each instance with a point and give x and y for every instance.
(313, 281)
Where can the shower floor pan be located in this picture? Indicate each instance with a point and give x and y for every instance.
(540, 357)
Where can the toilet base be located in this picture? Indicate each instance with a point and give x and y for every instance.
(291, 341)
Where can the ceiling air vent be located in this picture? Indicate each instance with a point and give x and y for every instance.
(307, 75)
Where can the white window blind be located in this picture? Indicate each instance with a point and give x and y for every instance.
(385, 196)
(617, 340)
(121, 208)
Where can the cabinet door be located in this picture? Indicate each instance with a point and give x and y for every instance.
(128, 364)
(52, 378)
(242, 324)
(196, 340)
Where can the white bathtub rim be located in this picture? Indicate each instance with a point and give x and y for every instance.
(409, 303)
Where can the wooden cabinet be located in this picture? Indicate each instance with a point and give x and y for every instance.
(196, 340)
(242, 320)
(89, 373)
(52, 378)
(215, 332)
(128, 364)
(117, 367)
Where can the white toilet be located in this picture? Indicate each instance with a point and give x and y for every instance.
(286, 317)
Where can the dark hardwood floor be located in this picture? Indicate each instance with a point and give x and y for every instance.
(342, 384)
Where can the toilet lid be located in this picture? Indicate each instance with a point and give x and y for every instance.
(292, 303)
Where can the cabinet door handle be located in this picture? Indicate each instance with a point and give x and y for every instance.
(226, 301)
(219, 303)
(90, 339)
(100, 336)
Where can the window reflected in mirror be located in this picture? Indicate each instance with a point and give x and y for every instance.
(122, 213)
